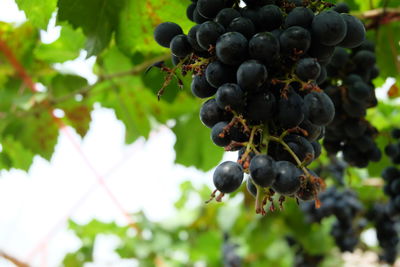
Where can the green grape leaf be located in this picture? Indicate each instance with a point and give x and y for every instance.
(66, 47)
(37, 133)
(97, 18)
(38, 11)
(139, 18)
(16, 153)
(388, 50)
(193, 145)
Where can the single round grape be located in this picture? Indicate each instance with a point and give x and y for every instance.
(359, 91)
(193, 39)
(290, 112)
(313, 131)
(299, 16)
(263, 170)
(201, 88)
(364, 59)
(270, 17)
(308, 69)
(231, 48)
(242, 25)
(339, 58)
(165, 32)
(287, 181)
(208, 34)
(218, 73)
(319, 107)
(197, 17)
(211, 114)
(219, 136)
(355, 32)
(180, 46)
(228, 177)
(329, 28)
(226, 15)
(230, 94)
(264, 46)
(260, 107)
(189, 11)
(295, 40)
(342, 8)
(210, 8)
(251, 74)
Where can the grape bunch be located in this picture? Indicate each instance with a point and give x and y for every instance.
(386, 232)
(350, 87)
(345, 206)
(391, 175)
(392, 150)
(259, 67)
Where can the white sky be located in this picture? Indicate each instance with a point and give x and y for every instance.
(33, 205)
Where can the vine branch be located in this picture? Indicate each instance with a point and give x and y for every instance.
(13, 260)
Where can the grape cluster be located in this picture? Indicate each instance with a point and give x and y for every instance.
(392, 150)
(386, 232)
(351, 90)
(259, 67)
(391, 175)
(345, 206)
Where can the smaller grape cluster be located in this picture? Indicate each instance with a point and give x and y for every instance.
(391, 175)
(386, 232)
(351, 90)
(345, 206)
(393, 150)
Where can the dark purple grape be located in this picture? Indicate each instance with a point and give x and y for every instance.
(355, 32)
(208, 34)
(231, 48)
(231, 95)
(210, 8)
(180, 46)
(218, 73)
(228, 177)
(201, 88)
(263, 170)
(329, 28)
(251, 74)
(270, 18)
(264, 46)
(299, 16)
(226, 15)
(165, 32)
(218, 134)
(242, 25)
(295, 40)
(211, 114)
(308, 69)
(319, 108)
(287, 181)
(290, 110)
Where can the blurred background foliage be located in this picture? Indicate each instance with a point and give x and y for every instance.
(120, 35)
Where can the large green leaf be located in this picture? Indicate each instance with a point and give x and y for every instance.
(193, 145)
(388, 50)
(139, 18)
(38, 11)
(97, 18)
